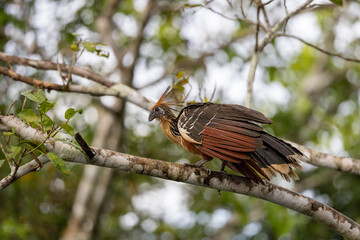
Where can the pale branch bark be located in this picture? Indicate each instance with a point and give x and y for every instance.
(318, 48)
(195, 176)
(251, 78)
(117, 90)
(47, 65)
(254, 63)
(345, 164)
(31, 166)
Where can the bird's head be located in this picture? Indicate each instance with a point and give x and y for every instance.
(162, 109)
(157, 111)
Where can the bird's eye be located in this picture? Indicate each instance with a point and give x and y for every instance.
(157, 109)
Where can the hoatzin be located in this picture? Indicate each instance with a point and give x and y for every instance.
(228, 132)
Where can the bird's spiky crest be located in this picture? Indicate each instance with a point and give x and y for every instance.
(164, 99)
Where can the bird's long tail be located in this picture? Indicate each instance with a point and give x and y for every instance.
(278, 156)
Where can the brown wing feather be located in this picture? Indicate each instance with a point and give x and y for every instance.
(222, 154)
(231, 112)
(228, 137)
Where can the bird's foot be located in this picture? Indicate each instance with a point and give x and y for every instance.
(223, 172)
(199, 164)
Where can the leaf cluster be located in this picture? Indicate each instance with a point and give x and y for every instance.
(16, 149)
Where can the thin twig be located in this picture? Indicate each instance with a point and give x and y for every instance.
(238, 18)
(318, 48)
(6, 156)
(118, 90)
(270, 32)
(262, 7)
(47, 65)
(37, 159)
(285, 6)
(7, 113)
(23, 105)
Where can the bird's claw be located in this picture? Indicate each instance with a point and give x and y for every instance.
(208, 170)
(190, 165)
(223, 172)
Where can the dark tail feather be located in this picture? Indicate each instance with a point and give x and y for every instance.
(278, 156)
(247, 170)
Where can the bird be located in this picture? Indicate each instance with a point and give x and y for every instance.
(230, 133)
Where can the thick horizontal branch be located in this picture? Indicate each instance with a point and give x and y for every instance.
(47, 65)
(117, 90)
(195, 176)
(345, 164)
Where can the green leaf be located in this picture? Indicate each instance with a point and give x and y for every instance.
(47, 123)
(192, 5)
(38, 96)
(69, 113)
(30, 96)
(28, 116)
(59, 163)
(67, 128)
(180, 74)
(338, 2)
(1, 162)
(45, 106)
(90, 46)
(105, 55)
(12, 151)
(75, 47)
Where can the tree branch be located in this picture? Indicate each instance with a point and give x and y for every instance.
(318, 48)
(47, 65)
(254, 63)
(117, 90)
(31, 166)
(345, 164)
(195, 176)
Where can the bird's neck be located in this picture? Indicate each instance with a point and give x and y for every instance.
(169, 125)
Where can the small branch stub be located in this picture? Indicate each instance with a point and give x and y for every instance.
(84, 146)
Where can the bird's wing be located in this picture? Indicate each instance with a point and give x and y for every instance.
(228, 132)
(225, 132)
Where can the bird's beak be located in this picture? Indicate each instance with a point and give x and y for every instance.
(151, 116)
